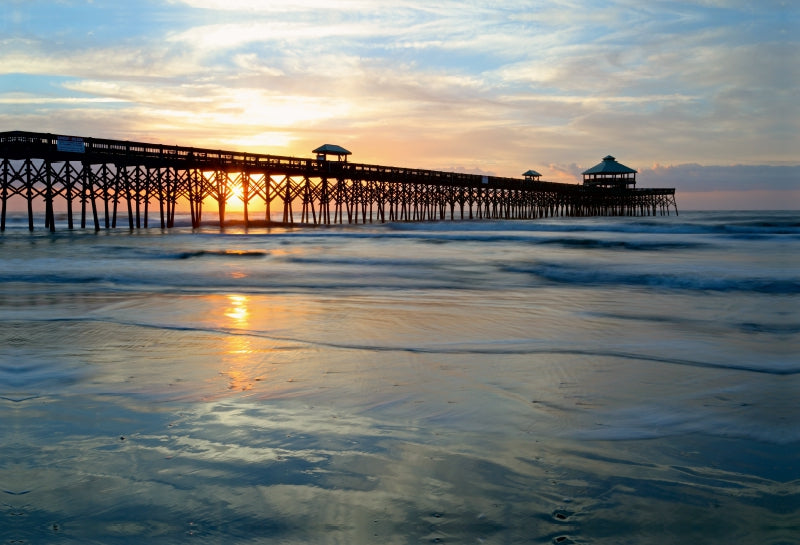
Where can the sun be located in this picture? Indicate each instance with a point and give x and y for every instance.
(237, 191)
(235, 200)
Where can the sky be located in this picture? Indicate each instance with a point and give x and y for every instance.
(698, 95)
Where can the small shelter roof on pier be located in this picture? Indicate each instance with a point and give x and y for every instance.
(532, 176)
(609, 173)
(331, 149)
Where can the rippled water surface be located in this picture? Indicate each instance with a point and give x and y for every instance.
(604, 380)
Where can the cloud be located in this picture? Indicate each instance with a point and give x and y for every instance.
(698, 178)
(455, 84)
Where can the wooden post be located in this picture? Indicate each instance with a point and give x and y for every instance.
(51, 217)
(127, 181)
(287, 200)
(147, 185)
(29, 192)
(160, 187)
(324, 202)
(221, 189)
(94, 205)
(268, 197)
(84, 192)
(68, 183)
(108, 184)
(5, 195)
(245, 181)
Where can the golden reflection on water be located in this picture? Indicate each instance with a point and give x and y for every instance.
(238, 310)
(248, 354)
(238, 358)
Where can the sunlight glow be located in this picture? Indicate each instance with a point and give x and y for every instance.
(264, 142)
(236, 199)
(239, 350)
(238, 311)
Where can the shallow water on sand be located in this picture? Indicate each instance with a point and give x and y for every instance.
(613, 380)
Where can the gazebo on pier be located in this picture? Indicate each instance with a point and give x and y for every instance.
(610, 174)
(531, 176)
(331, 149)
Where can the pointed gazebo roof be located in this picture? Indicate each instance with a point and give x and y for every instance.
(609, 166)
(331, 149)
(532, 175)
(610, 174)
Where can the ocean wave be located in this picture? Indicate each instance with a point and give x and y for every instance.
(782, 329)
(590, 232)
(361, 261)
(55, 278)
(480, 236)
(593, 276)
(497, 348)
(220, 253)
(205, 282)
(787, 226)
(325, 272)
(649, 246)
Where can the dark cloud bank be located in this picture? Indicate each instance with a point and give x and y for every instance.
(698, 178)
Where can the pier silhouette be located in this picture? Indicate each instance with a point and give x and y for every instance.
(112, 183)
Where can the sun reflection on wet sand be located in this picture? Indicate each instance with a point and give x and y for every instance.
(238, 310)
(248, 355)
(255, 344)
(239, 350)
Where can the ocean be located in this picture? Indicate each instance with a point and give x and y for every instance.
(604, 380)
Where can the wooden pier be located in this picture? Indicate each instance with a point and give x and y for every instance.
(112, 183)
